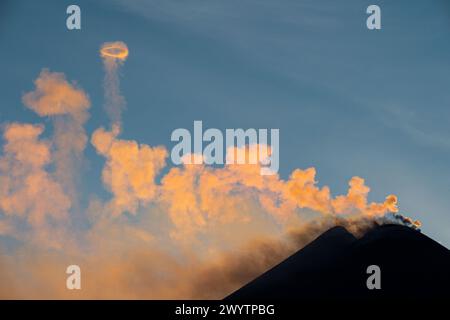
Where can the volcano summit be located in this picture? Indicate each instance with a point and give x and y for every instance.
(333, 266)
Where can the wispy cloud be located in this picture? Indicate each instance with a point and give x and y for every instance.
(408, 121)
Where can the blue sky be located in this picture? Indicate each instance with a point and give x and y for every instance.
(347, 100)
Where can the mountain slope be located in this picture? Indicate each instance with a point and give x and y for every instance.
(334, 266)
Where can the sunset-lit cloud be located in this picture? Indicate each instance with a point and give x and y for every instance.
(28, 192)
(130, 170)
(67, 105)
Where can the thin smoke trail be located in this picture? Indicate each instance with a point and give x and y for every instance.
(113, 55)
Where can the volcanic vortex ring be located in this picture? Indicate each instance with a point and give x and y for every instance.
(115, 50)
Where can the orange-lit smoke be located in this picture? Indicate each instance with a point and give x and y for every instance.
(67, 106)
(27, 190)
(113, 55)
(192, 231)
(130, 170)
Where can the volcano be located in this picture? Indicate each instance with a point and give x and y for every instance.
(334, 266)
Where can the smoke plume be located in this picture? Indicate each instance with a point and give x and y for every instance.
(113, 55)
(67, 106)
(186, 232)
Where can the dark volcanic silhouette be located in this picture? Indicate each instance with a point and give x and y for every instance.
(334, 266)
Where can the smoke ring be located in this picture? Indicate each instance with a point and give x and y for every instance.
(116, 50)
